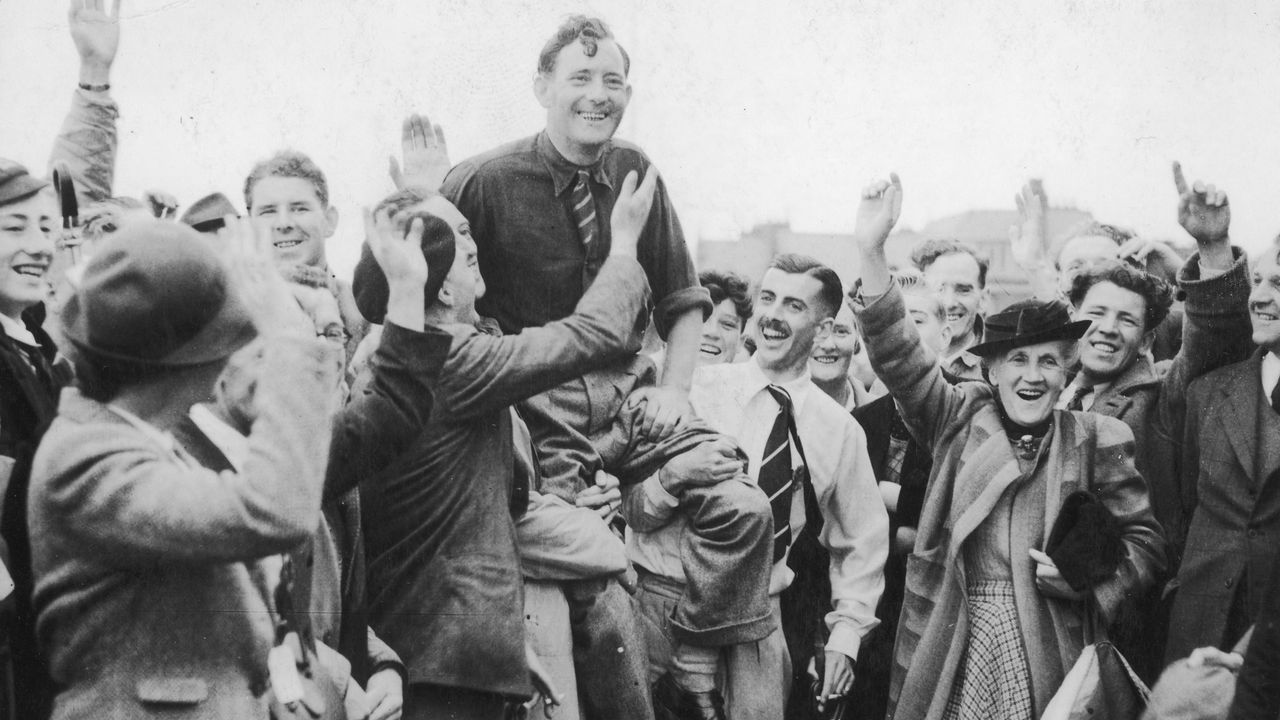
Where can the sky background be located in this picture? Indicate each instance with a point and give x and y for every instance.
(753, 110)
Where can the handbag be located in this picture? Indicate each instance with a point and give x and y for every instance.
(1100, 686)
(1085, 541)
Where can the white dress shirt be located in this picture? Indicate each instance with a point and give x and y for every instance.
(1270, 373)
(734, 400)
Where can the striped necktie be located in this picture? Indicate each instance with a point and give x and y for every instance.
(584, 208)
(776, 476)
(1078, 396)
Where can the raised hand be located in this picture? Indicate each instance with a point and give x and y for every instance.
(878, 212)
(1203, 210)
(1029, 238)
(398, 253)
(631, 212)
(96, 36)
(252, 268)
(425, 153)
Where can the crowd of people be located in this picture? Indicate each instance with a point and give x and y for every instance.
(236, 485)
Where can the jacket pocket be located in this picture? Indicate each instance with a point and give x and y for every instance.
(172, 691)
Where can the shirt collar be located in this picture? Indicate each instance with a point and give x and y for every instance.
(798, 388)
(562, 171)
(234, 446)
(1270, 372)
(963, 358)
(17, 331)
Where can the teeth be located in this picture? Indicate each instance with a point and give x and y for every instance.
(1030, 394)
(1106, 347)
(1265, 316)
(825, 360)
(709, 349)
(36, 271)
(288, 243)
(952, 317)
(592, 116)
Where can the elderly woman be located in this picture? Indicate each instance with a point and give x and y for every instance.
(989, 625)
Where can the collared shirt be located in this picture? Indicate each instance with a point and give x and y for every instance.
(1270, 373)
(964, 364)
(534, 263)
(733, 399)
(17, 330)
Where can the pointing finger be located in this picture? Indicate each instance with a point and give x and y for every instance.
(1179, 181)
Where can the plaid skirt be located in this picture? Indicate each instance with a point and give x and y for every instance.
(995, 680)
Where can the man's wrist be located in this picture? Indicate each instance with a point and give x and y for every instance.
(96, 74)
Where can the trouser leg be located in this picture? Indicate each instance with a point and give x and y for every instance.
(758, 675)
(609, 654)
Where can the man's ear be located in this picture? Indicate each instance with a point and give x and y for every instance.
(445, 296)
(330, 220)
(1148, 339)
(946, 334)
(542, 89)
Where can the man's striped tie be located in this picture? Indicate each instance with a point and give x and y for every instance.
(584, 208)
(776, 477)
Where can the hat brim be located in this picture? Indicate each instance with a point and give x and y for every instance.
(1070, 331)
(22, 188)
(231, 329)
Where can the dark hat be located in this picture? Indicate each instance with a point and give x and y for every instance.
(206, 214)
(369, 284)
(16, 183)
(156, 294)
(1028, 322)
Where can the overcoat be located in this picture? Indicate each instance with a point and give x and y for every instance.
(973, 466)
(1231, 455)
(146, 583)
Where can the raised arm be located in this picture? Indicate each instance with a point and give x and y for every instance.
(484, 373)
(900, 360)
(87, 141)
(1029, 239)
(376, 426)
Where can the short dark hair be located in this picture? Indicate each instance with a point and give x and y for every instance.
(725, 285)
(832, 291)
(927, 252)
(290, 164)
(1155, 292)
(578, 28)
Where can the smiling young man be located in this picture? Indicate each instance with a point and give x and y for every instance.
(754, 402)
(288, 196)
(731, 309)
(958, 274)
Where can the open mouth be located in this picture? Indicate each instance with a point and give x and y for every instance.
(1265, 316)
(286, 244)
(826, 359)
(32, 270)
(955, 316)
(1030, 395)
(773, 335)
(711, 350)
(1104, 347)
(593, 116)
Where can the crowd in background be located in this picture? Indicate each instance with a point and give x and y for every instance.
(237, 485)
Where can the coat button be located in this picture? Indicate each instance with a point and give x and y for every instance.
(1228, 582)
(1253, 533)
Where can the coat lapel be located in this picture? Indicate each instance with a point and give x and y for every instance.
(1238, 412)
(980, 483)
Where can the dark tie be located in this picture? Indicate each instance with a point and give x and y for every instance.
(584, 208)
(1275, 397)
(776, 476)
(1077, 397)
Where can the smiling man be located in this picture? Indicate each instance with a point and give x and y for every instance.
(804, 451)
(1231, 471)
(722, 331)
(288, 196)
(958, 275)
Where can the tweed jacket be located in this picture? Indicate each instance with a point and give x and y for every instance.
(1231, 454)
(445, 588)
(973, 465)
(145, 561)
(1216, 332)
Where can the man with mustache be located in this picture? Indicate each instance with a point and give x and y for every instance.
(804, 451)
